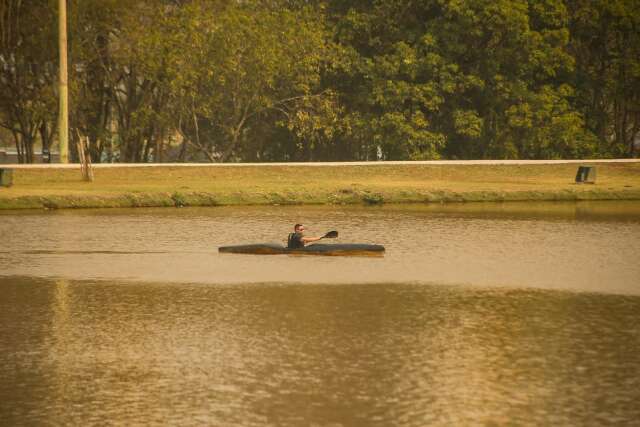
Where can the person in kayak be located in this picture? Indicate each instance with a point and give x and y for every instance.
(297, 239)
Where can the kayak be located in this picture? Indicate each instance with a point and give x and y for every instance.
(317, 249)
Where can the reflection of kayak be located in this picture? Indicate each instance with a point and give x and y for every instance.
(317, 249)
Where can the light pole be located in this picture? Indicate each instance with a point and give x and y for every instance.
(63, 117)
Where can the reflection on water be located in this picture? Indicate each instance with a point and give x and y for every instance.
(131, 317)
(131, 353)
(588, 246)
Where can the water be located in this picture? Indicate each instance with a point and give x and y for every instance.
(585, 247)
(484, 314)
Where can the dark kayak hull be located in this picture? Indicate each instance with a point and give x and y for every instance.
(317, 249)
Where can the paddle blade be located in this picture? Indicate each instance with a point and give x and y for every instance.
(331, 235)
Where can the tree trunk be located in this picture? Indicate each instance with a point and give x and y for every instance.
(17, 138)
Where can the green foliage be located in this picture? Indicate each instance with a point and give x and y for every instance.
(239, 66)
(606, 47)
(211, 80)
(467, 123)
(28, 59)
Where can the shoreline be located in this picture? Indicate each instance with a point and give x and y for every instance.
(205, 199)
(169, 185)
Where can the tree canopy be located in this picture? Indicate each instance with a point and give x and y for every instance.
(307, 80)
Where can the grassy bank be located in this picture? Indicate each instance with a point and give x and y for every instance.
(210, 186)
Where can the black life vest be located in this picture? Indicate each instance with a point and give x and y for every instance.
(295, 241)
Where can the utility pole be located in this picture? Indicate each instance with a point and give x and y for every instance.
(63, 115)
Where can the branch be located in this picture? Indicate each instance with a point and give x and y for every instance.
(286, 100)
(196, 145)
(10, 127)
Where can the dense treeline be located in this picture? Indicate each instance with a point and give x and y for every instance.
(274, 80)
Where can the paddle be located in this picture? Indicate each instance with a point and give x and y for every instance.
(330, 235)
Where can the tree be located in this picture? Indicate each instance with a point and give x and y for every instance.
(460, 79)
(606, 45)
(28, 70)
(240, 70)
(326, 79)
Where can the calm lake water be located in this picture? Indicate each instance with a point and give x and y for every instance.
(477, 314)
